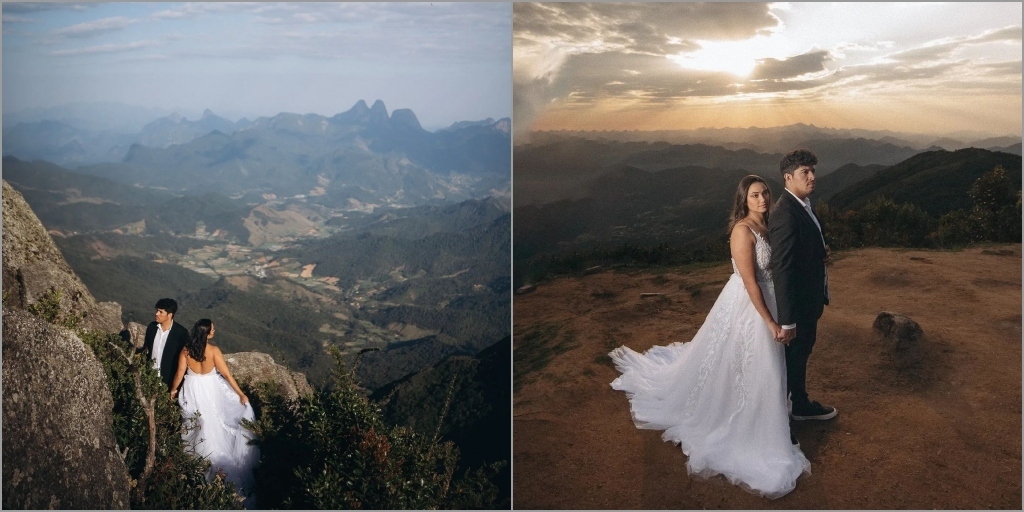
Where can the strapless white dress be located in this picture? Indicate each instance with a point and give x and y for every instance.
(722, 396)
(216, 432)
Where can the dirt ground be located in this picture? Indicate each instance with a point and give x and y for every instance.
(937, 425)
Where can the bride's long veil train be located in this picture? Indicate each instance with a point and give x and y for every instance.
(721, 397)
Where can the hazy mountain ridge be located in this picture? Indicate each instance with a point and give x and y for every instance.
(559, 169)
(590, 212)
(936, 181)
(73, 202)
(782, 139)
(363, 154)
(175, 129)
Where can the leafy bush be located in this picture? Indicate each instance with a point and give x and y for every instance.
(995, 216)
(884, 223)
(178, 477)
(333, 450)
(48, 308)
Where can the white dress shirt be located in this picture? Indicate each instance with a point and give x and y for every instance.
(158, 344)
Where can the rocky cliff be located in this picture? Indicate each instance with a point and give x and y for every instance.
(34, 270)
(59, 449)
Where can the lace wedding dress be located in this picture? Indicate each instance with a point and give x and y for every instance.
(722, 396)
(216, 432)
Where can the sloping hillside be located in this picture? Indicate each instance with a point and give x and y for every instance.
(935, 181)
(937, 426)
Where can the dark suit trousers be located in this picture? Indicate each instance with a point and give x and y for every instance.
(797, 353)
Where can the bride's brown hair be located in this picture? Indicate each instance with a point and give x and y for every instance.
(739, 204)
(196, 345)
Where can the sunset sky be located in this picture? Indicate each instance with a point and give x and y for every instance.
(912, 67)
(447, 62)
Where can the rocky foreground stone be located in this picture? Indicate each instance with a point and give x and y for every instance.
(59, 449)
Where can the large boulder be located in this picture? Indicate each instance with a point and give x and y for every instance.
(256, 367)
(899, 330)
(59, 449)
(35, 273)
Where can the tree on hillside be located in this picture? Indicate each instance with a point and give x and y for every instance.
(994, 216)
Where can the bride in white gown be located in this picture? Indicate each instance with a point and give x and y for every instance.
(215, 432)
(722, 396)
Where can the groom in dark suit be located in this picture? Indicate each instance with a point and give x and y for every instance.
(798, 271)
(164, 340)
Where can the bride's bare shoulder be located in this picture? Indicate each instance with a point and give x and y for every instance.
(742, 231)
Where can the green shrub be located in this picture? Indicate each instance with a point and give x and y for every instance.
(883, 223)
(333, 450)
(48, 308)
(178, 478)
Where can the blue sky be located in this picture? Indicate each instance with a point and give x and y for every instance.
(447, 62)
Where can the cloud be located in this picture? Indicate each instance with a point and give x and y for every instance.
(94, 28)
(945, 48)
(1012, 33)
(1000, 69)
(193, 10)
(30, 7)
(377, 32)
(577, 53)
(103, 48)
(642, 27)
(14, 18)
(776, 69)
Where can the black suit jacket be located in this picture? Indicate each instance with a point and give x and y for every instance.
(798, 262)
(176, 340)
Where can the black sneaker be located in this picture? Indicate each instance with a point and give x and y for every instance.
(812, 411)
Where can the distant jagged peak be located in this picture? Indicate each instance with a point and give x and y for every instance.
(176, 117)
(503, 125)
(378, 110)
(404, 118)
(207, 113)
(360, 107)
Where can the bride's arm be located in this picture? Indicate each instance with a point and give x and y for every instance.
(222, 367)
(182, 364)
(741, 245)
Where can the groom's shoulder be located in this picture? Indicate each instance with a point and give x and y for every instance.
(781, 207)
(179, 328)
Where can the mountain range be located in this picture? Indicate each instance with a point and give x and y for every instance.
(363, 154)
(581, 200)
(936, 181)
(782, 139)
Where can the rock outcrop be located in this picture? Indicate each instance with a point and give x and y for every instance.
(900, 331)
(34, 269)
(248, 368)
(59, 449)
(256, 367)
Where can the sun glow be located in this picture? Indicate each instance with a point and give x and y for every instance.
(734, 57)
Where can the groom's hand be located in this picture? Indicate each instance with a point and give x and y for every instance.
(828, 256)
(787, 336)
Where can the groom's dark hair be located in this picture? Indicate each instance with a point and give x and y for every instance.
(795, 159)
(167, 305)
